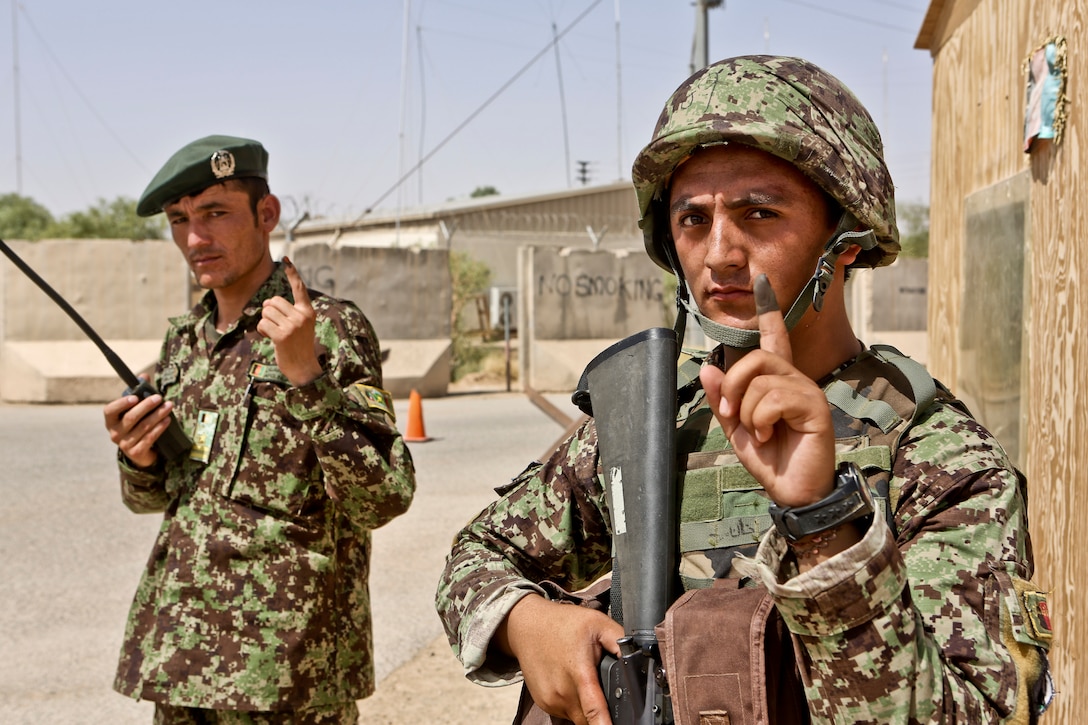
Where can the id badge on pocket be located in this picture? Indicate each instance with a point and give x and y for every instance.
(204, 436)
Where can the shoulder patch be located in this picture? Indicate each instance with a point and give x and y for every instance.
(376, 398)
(1038, 614)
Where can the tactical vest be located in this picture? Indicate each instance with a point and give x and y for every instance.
(724, 510)
(735, 660)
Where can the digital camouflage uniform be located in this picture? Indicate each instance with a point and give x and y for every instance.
(255, 596)
(904, 627)
(929, 618)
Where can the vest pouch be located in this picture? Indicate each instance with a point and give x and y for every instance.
(730, 659)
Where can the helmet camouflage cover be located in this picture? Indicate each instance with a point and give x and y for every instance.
(787, 107)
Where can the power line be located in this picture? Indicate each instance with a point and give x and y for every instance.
(479, 110)
(848, 16)
(75, 87)
(898, 6)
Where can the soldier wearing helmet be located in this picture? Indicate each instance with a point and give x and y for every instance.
(852, 543)
(795, 112)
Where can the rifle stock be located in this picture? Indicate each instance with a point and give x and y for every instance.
(630, 390)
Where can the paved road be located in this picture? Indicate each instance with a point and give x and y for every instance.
(71, 554)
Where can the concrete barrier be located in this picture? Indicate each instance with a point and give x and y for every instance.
(405, 293)
(124, 290)
(577, 302)
(127, 291)
(422, 365)
(68, 371)
(572, 303)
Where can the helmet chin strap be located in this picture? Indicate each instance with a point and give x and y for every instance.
(813, 294)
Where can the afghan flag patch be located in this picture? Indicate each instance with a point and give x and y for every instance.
(377, 399)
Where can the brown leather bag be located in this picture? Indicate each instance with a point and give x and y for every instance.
(730, 660)
(728, 657)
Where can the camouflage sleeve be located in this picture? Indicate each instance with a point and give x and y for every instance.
(365, 464)
(548, 524)
(919, 629)
(143, 491)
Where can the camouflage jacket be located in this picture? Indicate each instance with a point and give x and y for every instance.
(922, 625)
(255, 594)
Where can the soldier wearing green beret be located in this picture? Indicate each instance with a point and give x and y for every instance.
(852, 545)
(254, 605)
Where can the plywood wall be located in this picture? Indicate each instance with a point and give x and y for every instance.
(978, 111)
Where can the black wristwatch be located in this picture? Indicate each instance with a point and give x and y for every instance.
(851, 500)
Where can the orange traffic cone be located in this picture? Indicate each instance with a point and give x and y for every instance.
(415, 432)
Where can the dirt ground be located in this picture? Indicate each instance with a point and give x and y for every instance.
(430, 688)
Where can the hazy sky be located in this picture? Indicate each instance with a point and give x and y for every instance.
(105, 91)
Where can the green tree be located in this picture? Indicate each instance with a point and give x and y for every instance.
(115, 219)
(484, 191)
(469, 278)
(914, 229)
(23, 218)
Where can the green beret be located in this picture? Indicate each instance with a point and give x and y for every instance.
(201, 164)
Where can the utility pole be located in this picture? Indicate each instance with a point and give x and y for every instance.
(562, 101)
(403, 111)
(422, 105)
(619, 102)
(700, 43)
(18, 122)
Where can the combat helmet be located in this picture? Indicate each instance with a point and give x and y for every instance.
(796, 111)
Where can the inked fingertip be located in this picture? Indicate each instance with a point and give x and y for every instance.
(764, 294)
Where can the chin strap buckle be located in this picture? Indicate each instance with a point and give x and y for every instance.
(821, 279)
(825, 265)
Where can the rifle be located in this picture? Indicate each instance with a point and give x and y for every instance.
(173, 442)
(630, 390)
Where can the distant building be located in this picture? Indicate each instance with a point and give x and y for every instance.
(491, 228)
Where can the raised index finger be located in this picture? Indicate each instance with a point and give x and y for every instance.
(773, 335)
(298, 287)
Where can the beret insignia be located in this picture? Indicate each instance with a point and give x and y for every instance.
(222, 164)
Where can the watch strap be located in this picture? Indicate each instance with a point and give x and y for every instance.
(851, 500)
